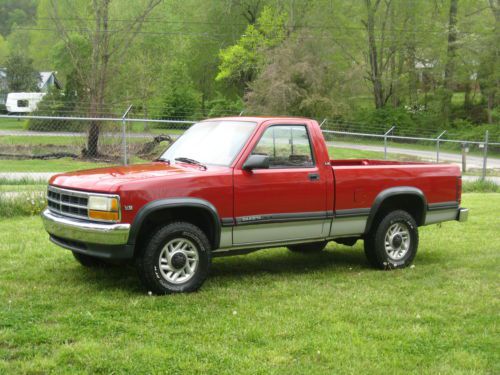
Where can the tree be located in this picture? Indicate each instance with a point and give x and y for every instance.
(21, 75)
(15, 12)
(411, 55)
(241, 62)
(107, 46)
(180, 101)
(297, 81)
(489, 69)
(3, 51)
(449, 70)
(249, 9)
(378, 57)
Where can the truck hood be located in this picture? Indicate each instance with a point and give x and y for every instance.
(110, 179)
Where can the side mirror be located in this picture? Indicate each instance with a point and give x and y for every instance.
(256, 162)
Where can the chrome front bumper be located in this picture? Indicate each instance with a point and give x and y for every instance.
(463, 214)
(85, 231)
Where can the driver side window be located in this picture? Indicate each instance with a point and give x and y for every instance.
(287, 146)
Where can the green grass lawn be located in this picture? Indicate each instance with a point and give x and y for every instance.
(42, 140)
(22, 188)
(458, 98)
(55, 165)
(445, 147)
(268, 312)
(68, 164)
(47, 140)
(12, 124)
(347, 153)
(140, 127)
(133, 127)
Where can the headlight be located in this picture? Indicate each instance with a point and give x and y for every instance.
(104, 208)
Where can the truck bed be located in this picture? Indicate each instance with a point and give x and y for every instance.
(358, 181)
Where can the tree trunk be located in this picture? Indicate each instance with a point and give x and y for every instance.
(411, 51)
(495, 90)
(449, 69)
(93, 140)
(394, 48)
(467, 96)
(491, 102)
(375, 75)
(96, 75)
(100, 59)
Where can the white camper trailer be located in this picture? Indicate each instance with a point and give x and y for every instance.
(23, 102)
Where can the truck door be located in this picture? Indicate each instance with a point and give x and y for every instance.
(285, 202)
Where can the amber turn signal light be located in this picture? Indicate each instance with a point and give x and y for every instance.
(104, 215)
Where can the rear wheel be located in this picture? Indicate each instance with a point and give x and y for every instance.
(313, 247)
(393, 243)
(176, 259)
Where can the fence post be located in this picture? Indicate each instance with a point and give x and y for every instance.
(485, 155)
(124, 135)
(464, 157)
(438, 139)
(385, 141)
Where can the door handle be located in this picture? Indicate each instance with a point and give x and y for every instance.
(313, 176)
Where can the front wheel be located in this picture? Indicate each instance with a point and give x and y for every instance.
(176, 259)
(393, 243)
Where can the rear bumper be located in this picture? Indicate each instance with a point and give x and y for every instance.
(95, 239)
(463, 214)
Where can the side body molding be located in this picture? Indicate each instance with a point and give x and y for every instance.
(391, 192)
(161, 204)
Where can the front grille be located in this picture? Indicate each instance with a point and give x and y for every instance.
(68, 202)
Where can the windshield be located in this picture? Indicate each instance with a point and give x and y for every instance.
(211, 142)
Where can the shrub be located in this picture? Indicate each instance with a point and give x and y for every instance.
(22, 204)
(463, 129)
(408, 121)
(179, 103)
(480, 186)
(55, 104)
(221, 107)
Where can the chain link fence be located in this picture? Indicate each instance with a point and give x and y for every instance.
(476, 157)
(59, 143)
(48, 144)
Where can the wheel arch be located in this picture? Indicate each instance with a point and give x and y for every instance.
(407, 198)
(193, 210)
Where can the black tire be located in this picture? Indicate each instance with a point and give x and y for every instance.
(90, 261)
(157, 280)
(313, 247)
(375, 247)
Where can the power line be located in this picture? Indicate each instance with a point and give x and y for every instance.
(311, 26)
(225, 37)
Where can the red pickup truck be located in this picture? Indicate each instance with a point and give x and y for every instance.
(234, 185)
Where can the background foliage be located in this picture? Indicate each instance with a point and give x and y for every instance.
(418, 64)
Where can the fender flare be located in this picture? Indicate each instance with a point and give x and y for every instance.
(391, 192)
(161, 204)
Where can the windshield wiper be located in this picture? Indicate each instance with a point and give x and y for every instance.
(191, 161)
(164, 160)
